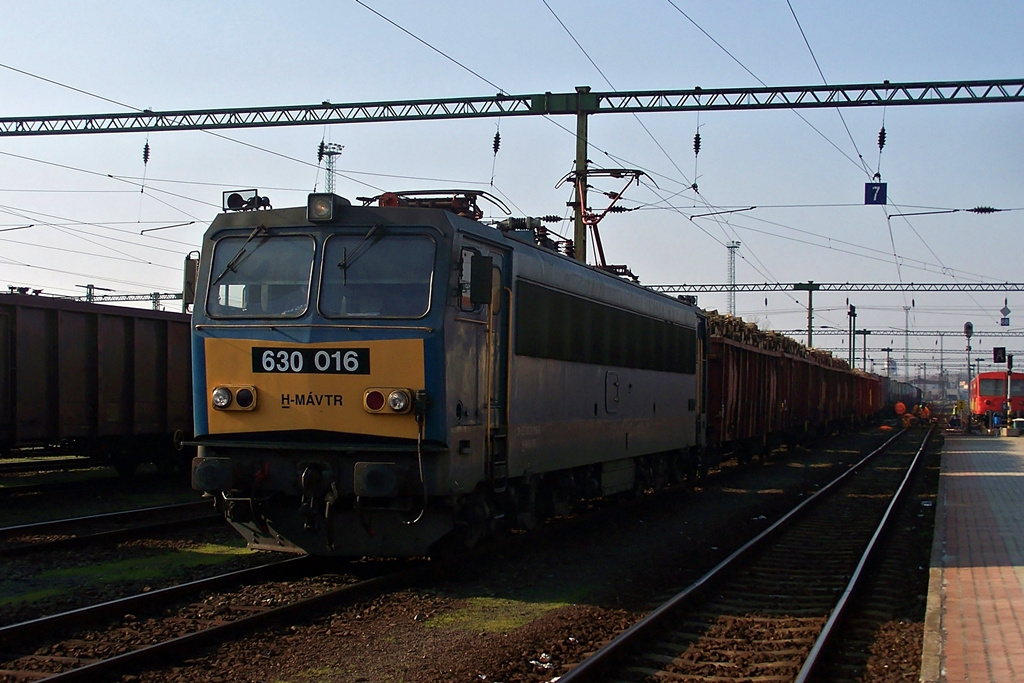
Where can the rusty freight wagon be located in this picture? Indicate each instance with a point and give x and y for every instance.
(765, 389)
(108, 382)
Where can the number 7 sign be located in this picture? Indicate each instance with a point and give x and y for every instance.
(874, 193)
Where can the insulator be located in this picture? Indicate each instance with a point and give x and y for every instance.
(497, 141)
(320, 152)
(551, 219)
(984, 209)
(696, 143)
(619, 209)
(145, 153)
(881, 139)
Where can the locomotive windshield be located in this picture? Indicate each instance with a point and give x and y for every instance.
(376, 274)
(259, 278)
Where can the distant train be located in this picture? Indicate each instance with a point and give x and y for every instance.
(766, 389)
(989, 395)
(376, 380)
(103, 381)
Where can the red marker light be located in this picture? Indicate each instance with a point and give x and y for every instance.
(374, 400)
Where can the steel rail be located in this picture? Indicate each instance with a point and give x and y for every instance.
(72, 540)
(154, 654)
(594, 668)
(14, 633)
(814, 659)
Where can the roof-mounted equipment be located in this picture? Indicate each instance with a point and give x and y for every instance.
(244, 200)
(324, 206)
(459, 202)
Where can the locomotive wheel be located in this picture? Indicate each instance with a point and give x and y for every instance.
(476, 521)
(523, 499)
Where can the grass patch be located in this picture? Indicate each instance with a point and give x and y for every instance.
(142, 568)
(501, 615)
(166, 565)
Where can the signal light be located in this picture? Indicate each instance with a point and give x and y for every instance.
(233, 398)
(374, 401)
(245, 398)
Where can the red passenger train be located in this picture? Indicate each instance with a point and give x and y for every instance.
(988, 395)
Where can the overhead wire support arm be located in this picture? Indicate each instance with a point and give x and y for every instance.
(581, 103)
(845, 287)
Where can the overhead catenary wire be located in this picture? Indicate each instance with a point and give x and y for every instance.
(694, 178)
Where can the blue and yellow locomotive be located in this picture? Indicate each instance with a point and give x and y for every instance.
(373, 380)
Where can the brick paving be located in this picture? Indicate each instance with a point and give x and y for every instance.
(974, 628)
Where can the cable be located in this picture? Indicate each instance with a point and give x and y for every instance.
(25, 213)
(501, 91)
(825, 81)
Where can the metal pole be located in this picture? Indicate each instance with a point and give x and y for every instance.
(810, 316)
(968, 331)
(580, 232)
(864, 348)
(810, 287)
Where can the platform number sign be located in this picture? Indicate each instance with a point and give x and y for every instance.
(874, 193)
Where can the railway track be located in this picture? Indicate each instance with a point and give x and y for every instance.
(148, 629)
(29, 464)
(111, 527)
(769, 610)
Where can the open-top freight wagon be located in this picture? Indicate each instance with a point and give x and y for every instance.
(765, 389)
(103, 381)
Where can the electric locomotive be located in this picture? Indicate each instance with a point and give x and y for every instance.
(381, 379)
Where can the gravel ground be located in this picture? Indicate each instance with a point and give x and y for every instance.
(539, 603)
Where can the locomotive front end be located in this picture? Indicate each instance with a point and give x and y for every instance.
(312, 332)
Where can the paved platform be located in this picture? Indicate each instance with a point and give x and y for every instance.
(974, 628)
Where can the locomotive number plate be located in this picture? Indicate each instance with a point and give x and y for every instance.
(311, 361)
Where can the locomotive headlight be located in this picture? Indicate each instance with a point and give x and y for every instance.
(398, 400)
(321, 206)
(221, 398)
(387, 400)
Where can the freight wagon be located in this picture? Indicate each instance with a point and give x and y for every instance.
(103, 381)
(765, 389)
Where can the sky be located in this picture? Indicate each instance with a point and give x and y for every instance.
(88, 198)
